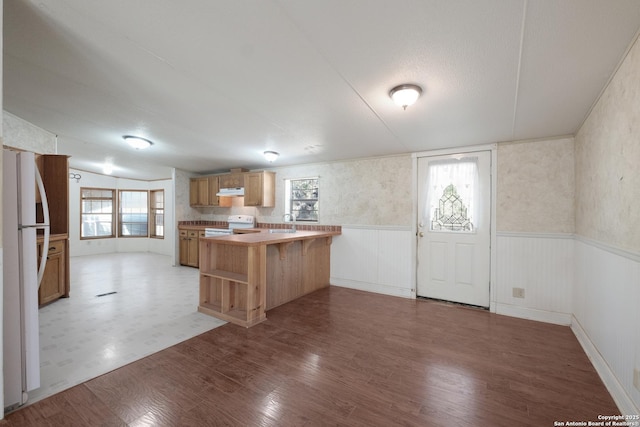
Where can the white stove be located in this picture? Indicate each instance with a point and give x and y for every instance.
(235, 222)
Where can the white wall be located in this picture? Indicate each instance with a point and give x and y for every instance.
(542, 265)
(606, 316)
(79, 247)
(606, 293)
(535, 224)
(374, 259)
(1, 242)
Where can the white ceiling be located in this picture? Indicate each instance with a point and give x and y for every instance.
(215, 83)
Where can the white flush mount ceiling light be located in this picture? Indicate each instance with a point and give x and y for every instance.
(137, 142)
(271, 156)
(405, 95)
(107, 168)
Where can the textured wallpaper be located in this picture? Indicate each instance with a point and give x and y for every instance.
(21, 134)
(536, 186)
(357, 192)
(607, 162)
(183, 212)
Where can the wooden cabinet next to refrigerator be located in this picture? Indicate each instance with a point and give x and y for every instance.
(54, 169)
(55, 282)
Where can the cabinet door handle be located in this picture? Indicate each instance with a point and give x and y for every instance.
(52, 248)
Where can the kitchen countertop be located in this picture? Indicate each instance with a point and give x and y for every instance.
(266, 238)
(53, 237)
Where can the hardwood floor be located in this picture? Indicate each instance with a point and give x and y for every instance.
(350, 358)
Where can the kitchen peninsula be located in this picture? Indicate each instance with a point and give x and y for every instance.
(244, 275)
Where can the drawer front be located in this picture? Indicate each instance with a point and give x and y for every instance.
(55, 248)
(183, 233)
(193, 233)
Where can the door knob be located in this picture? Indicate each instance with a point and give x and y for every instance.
(421, 234)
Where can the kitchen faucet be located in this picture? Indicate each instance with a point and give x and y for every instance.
(293, 219)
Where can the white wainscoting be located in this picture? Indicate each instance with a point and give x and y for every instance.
(541, 264)
(374, 259)
(606, 307)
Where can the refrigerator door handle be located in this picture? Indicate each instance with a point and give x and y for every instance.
(44, 225)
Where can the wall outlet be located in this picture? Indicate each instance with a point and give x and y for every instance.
(636, 378)
(518, 292)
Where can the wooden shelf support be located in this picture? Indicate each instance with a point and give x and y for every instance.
(282, 247)
(305, 245)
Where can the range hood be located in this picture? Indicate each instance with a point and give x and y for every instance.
(231, 192)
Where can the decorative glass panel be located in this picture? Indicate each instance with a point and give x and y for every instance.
(451, 194)
(451, 213)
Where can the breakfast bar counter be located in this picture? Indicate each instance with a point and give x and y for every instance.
(244, 275)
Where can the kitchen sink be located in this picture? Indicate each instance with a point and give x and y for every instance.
(281, 230)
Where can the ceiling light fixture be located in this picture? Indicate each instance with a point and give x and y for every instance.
(107, 168)
(271, 156)
(405, 95)
(137, 142)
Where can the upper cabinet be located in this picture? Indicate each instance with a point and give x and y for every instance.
(232, 180)
(54, 169)
(199, 191)
(203, 190)
(214, 187)
(259, 189)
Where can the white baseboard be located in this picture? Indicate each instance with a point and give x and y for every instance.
(618, 393)
(373, 287)
(533, 314)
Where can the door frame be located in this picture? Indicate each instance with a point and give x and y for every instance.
(493, 148)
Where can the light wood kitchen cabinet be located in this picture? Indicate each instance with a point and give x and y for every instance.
(199, 191)
(189, 247)
(203, 190)
(214, 187)
(259, 189)
(54, 281)
(183, 247)
(232, 180)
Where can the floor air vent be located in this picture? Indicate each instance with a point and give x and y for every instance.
(108, 293)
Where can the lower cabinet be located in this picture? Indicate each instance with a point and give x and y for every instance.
(189, 251)
(55, 283)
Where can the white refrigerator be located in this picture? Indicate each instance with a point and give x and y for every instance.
(21, 275)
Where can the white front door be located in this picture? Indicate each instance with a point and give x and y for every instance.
(454, 218)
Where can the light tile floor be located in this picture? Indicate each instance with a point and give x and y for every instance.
(85, 336)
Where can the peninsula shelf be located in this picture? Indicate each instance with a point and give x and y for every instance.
(244, 275)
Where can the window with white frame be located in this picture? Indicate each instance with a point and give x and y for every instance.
(301, 198)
